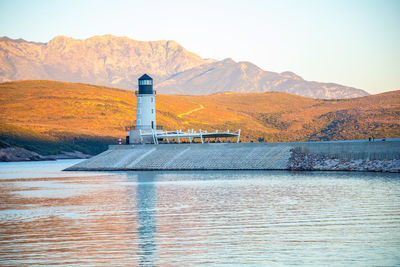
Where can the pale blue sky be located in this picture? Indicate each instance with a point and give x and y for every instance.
(354, 43)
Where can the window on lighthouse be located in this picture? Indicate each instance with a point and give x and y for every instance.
(145, 82)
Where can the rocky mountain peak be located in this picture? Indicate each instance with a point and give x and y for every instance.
(118, 61)
(291, 75)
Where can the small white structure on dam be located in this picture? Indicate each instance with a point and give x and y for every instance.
(146, 104)
(146, 130)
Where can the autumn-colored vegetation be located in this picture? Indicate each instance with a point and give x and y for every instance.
(67, 113)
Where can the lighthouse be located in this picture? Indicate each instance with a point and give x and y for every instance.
(147, 132)
(146, 104)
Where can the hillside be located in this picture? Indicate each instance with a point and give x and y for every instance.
(71, 116)
(118, 62)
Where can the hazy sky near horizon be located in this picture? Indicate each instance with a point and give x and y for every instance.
(350, 42)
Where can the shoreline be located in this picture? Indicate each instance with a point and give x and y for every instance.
(300, 161)
(383, 156)
(359, 156)
(19, 154)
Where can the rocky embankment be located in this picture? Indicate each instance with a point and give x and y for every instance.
(316, 162)
(18, 154)
(22, 154)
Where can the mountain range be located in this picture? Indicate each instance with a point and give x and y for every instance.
(118, 62)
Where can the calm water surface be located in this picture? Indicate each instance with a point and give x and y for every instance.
(188, 218)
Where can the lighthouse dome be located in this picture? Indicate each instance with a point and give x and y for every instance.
(145, 85)
(145, 77)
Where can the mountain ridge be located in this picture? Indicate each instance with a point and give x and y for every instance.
(118, 61)
(103, 60)
(245, 77)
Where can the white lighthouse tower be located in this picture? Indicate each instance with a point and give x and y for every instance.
(146, 104)
(145, 130)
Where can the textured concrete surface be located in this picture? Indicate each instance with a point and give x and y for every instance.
(190, 157)
(231, 156)
(358, 149)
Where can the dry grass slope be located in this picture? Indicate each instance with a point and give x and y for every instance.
(51, 109)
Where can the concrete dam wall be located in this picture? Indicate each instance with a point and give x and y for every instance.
(360, 149)
(219, 156)
(243, 156)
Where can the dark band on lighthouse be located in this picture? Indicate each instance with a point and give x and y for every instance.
(145, 85)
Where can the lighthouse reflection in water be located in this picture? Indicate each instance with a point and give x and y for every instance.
(146, 205)
(49, 217)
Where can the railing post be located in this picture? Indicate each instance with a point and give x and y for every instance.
(140, 134)
(238, 136)
(190, 138)
(154, 137)
(201, 136)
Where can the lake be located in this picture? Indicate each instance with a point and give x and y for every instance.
(256, 218)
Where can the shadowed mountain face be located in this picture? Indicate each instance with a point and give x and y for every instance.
(119, 61)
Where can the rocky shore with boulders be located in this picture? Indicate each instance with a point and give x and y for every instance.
(21, 154)
(300, 161)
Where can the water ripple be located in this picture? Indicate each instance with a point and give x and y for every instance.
(191, 218)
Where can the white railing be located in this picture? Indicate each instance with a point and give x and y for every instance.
(156, 135)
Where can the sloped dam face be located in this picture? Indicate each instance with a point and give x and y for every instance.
(219, 156)
(232, 156)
